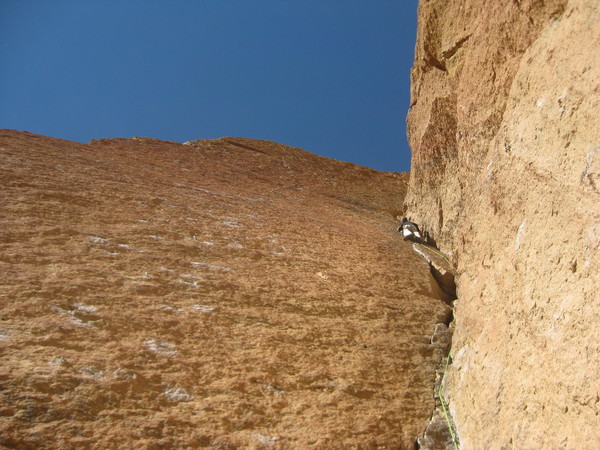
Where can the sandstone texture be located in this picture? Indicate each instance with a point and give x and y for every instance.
(506, 180)
(228, 293)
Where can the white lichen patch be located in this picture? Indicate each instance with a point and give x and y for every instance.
(266, 440)
(59, 361)
(92, 373)
(231, 224)
(143, 276)
(193, 284)
(279, 251)
(4, 335)
(124, 374)
(101, 240)
(161, 347)
(97, 240)
(458, 358)
(78, 322)
(588, 259)
(210, 266)
(71, 314)
(520, 232)
(177, 394)
(82, 307)
(171, 309)
(273, 390)
(489, 172)
(540, 102)
(189, 275)
(203, 308)
(590, 171)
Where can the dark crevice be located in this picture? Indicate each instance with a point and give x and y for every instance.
(456, 47)
(441, 270)
(244, 146)
(437, 435)
(432, 61)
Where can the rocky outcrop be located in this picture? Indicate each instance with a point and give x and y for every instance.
(228, 293)
(506, 179)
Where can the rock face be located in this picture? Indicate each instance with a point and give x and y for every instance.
(506, 179)
(226, 293)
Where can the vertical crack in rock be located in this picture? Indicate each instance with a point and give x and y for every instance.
(440, 431)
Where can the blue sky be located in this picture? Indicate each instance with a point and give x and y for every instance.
(329, 76)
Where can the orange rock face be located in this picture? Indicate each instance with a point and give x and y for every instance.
(506, 177)
(226, 293)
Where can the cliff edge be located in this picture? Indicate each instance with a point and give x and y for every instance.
(505, 178)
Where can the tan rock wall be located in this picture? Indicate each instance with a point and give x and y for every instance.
(505, 177)
(228, 293)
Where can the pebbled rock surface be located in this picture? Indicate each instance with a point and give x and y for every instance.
(505, 178)
(220, 293)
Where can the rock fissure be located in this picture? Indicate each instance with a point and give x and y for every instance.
(447, 54)
(440, 432)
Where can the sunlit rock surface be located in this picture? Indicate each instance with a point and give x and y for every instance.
(224, 293)
(505, 177)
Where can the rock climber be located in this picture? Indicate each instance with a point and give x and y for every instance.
(410, 230)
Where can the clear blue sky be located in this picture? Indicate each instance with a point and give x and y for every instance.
(329, 76)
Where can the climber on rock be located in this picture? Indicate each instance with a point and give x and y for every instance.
(410, 231)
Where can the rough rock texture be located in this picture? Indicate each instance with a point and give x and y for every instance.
(437, 435)
(226, 293)
(506, 179)
(440, 267)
